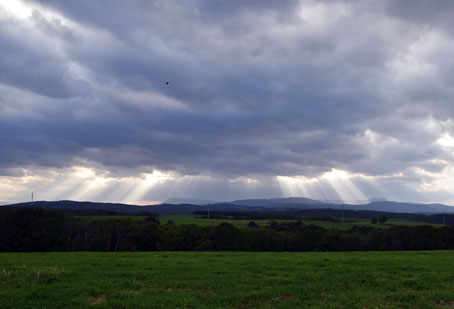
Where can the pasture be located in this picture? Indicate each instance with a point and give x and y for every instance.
(423, 279)
(192, 219)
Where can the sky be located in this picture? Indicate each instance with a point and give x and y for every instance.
(334, 100)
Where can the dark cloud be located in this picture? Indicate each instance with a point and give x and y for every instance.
(31, 64)
(54, 27)
(423, 12)
(256, 88)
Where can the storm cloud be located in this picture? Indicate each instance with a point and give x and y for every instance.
(257, 89)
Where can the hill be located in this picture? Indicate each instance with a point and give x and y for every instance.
(381, 205)
(277, 202)
(260, 205)
(75, 206)
(394, 210)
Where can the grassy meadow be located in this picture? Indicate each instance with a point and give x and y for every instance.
(423, 279)
(192, 219)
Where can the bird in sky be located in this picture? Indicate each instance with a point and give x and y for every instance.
(167, 83)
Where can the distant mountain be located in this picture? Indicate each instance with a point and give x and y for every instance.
(355, 202)
(388, 206)
(277, 202)
(378, 205)
(163, 209)
(75, 205)
(377, 199)
(193, 201)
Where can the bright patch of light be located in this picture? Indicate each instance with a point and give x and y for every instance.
(341, 182)
(336, 174)
(295, 186)
(74, 184)
(318, 13)
(18, 189)
(437, 182)
(251, 185)
(321, 187)
(371, 136)
(9, 189)
(83, 172)
(143, 203)
(147, 184)
(446, 140)
(16, 8)
(83, 183)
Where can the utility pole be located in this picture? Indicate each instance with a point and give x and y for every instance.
(32, 199)
(209, 210)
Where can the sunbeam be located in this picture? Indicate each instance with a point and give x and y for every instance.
(251, 185)
(148, 182)
(333, 185)
(344, 187)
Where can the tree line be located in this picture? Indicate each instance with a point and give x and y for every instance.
(34, 229)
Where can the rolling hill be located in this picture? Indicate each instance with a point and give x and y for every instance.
(276, 204)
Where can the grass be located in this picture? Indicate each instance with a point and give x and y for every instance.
(227, 280)
(191, 219)
(100, 218)
(348, 224)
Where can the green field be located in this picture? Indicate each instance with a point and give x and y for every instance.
(228, 280)
(99, 218)
(348, 224)
(191, 219)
